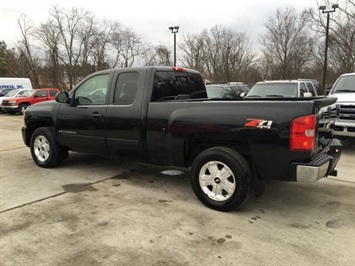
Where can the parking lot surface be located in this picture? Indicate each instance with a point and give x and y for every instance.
(99, 211)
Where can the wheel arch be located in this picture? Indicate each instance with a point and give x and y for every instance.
(31, 127)
(195, 144)
(26, 102)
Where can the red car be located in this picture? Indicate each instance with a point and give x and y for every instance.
(19, 104)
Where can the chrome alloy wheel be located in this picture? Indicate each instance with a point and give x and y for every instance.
(23, 109)
(217, 181)
(41, 148)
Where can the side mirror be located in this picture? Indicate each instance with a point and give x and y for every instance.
(62, 97)
(243, 94)
(307, 94)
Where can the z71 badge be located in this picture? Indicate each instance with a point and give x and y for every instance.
(258, 123)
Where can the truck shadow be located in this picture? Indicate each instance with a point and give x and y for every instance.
(348, 145)
(279, 196)
(284, 195)
(79, 160)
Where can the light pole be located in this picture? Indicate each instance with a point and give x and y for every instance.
(174, 29)
(323, 8)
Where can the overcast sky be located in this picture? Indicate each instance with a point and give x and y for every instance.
(150, 19)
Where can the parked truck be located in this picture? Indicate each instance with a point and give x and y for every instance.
(161, 115)
(343, 111)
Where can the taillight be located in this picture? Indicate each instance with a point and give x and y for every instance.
(303, 133)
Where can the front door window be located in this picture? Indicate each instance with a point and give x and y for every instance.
(92, 91)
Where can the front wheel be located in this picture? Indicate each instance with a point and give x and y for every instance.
(23, 108)
(221, 178)
(44, 149)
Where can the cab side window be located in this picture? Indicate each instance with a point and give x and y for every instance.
(303, 89)
(228, 93)
(93, 90)
(311, 88)
(126, 88)
(53, 93)
(41, 93)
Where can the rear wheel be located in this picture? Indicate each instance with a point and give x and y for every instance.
(45, 150)
(221, 178)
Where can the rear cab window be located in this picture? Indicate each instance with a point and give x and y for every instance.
(170, 85)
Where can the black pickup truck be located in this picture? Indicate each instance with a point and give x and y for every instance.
(161, 115)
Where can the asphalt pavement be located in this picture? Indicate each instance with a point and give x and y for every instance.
(98, 211)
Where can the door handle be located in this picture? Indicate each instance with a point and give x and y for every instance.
(96, 115)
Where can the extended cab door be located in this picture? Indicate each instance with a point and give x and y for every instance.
(123, 117)
(80, 125)
(165, 146)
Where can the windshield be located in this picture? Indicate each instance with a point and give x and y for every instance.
(345, 84)
(273, 89)
(11, 93)
(214, 91)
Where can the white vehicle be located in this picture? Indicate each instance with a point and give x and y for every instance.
(344, 90)
(7, 84)
(283, 88)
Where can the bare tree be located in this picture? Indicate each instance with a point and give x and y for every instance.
(193, 52)
(158, 55)
(288, 46)
(72, 44)
(27, 52)
(49, 36)
(71, 25)
(87, 33)
(127, 46)
(220, 54)
(341, 51)
(101, 43)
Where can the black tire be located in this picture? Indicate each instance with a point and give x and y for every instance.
(45, 150)
(232, 190)
(22, 108)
